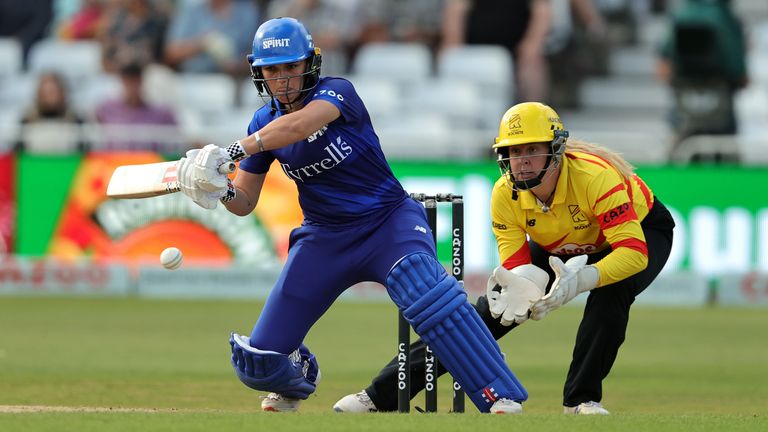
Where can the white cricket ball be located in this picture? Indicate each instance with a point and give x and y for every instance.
(171, 258)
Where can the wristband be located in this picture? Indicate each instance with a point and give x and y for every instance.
(231, 192)
(236, 151)
(259, 141)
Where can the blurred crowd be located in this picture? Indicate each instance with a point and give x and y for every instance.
(554, 45)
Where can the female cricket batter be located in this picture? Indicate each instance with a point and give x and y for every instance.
(359, 225)
(577, 202)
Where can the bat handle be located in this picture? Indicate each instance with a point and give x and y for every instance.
(227, 167)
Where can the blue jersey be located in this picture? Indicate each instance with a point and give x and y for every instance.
(340, 170)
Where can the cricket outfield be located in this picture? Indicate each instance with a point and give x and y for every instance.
(152, 365)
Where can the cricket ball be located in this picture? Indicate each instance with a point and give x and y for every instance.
(171, 258)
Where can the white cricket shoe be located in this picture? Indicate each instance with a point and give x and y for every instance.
(586, 408)
(274, 402)
(355, 403)
(506, 406)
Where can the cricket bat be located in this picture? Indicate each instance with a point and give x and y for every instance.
(148, 180)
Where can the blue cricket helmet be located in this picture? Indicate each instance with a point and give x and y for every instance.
(284, 40)
(281, 40)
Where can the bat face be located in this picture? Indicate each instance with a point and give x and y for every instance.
(142, 181)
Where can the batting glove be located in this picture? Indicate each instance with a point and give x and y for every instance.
(206, 168)
(185, 171)
(571, 279)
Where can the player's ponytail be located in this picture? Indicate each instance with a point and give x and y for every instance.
(622, 166)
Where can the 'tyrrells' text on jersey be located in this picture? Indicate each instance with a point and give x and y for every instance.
(340, 170)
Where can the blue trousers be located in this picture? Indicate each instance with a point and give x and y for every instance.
(324, 261)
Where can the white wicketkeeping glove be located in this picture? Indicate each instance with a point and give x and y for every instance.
(571, 279)
(511, 293)
(186, 172)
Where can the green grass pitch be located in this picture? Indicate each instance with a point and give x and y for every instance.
(155, 365)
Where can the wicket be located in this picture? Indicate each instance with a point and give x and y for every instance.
(404, 330)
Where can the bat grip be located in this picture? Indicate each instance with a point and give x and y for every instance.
(227, 167)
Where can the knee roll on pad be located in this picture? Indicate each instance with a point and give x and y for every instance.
(437, 308)
(293, 375)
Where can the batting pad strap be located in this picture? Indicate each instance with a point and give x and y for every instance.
(293, 375)
(436, 307)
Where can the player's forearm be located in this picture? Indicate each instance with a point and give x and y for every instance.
(242, 204)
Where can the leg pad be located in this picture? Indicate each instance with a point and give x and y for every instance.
(437, 308)
(293, 376)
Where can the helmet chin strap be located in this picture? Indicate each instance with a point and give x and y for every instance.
(538, 180)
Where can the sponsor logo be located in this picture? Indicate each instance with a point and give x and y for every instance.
(317, 134)
(330, 93)
(275, 43)
(338, 151)
(574, 249)
(490, 395)
(420, 228)
(615, 213)
(576, 215)
(514, 122)
(499, 226)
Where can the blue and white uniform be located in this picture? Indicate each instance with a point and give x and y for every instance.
(358, 220)
(359, 225)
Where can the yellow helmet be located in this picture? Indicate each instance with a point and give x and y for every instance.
(525, 123)
(529, 122)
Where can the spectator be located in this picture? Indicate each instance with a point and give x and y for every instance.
(403, 21)
(211, 36)
(27, 21)
(50, 121)
(521, 27)
(333, 26)
(85, 23)
(134, 29)
(158, 124)
(704, 60)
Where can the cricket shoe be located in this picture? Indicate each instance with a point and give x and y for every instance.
(586, 408)
(274, 402)
(506, 406)
(355, 403)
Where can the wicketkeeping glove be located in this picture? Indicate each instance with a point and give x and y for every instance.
(511, 293)
(571, 279)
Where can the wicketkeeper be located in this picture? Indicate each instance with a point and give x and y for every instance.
(594, 226)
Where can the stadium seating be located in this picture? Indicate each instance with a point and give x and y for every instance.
(79, 61)
(403, 62)
(490, 68)
(10, 57)
(206, 93)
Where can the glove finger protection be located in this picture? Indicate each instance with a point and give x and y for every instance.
(206, 168)
(511, 293)
(185, 172)
(572, 279)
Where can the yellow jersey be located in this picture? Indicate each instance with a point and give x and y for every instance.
(594, 208)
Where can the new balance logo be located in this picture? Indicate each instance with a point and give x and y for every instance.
(420, 228)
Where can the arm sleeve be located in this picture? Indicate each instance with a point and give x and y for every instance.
(510, 237)
(611, 195)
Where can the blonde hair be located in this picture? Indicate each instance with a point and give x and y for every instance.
(622, 166)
